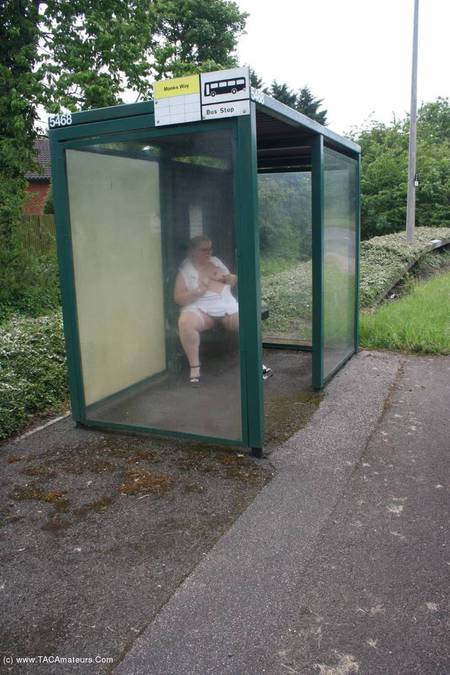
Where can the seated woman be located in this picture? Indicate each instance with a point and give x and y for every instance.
(203, 291)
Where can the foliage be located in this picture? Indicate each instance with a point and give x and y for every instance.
(83, 54)
(384, 171)
(385, 260)
(283, 93)
(309, 105)
(195, 35)
(48, 206)
(19, 92)
(91, 51)
(32, 370)
(255, 80)
(286, 286)
(284, 207)
(288, 295)
(418, 322)
(303, 101)
(42, 295)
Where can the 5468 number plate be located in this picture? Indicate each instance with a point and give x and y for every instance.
(60, 120)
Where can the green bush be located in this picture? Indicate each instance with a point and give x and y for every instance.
(41, 294)
(33, 374)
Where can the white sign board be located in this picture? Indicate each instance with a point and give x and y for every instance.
(208, 96)
(177, 100)
(231, 109)
(225, 93)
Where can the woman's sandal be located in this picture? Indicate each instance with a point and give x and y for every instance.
(194, 380)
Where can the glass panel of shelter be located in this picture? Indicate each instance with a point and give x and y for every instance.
(285, 230)
(339, 258)
(142, 289)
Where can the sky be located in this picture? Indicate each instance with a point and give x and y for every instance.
(356, 55)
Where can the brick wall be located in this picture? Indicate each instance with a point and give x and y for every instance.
(36, 195)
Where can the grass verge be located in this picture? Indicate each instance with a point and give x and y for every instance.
(418, 322)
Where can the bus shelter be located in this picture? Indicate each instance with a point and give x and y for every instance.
(277, 196)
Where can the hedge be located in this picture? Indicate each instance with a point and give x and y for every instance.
(33, 376)
(385, 260)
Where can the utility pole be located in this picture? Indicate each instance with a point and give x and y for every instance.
(412, 179)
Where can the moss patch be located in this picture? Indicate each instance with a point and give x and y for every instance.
(39, 471)
(97, 506)
(288, 413)
(135, 481)
(35, 493)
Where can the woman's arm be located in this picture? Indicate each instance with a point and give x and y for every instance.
(225, 277)
(230, 279)
(183, 296)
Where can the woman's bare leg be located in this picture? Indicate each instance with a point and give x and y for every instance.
(231, 322)
(190, 325)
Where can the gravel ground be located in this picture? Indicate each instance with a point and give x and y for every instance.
(98, 530)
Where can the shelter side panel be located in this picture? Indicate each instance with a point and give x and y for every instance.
(116, 239)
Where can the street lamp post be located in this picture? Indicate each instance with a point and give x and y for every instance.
(412, 179)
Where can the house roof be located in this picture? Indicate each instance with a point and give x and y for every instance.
(43, 174)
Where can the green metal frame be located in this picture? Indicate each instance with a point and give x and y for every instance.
(317, 181)
(136, 121)
(357, 251)
(246, 201)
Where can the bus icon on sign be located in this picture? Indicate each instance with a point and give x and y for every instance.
(225, 86)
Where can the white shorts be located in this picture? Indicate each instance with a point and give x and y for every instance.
(215, 305)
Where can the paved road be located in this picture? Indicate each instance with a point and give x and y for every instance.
(341, 563)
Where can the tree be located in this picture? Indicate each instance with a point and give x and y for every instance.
(85, 53)
(92, 50)
(195, 35)
(303, 101)
(384, 171)
(308, 105)
(256, 80)
(19, 93)
(283, 94)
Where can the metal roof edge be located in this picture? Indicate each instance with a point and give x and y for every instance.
(111, 112)
(271, 105)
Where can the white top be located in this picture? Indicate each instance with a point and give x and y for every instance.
(211, 303)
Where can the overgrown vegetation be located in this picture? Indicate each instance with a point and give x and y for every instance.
(418, 322)
(18, 99)
(38, 298)
(284, 201)
(288, 295)
(287, 288)
(284, 207)
(32, 369)
(384, 260)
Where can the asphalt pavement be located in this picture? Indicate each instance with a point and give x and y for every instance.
(341, 563)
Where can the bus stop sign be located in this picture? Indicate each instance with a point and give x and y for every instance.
(222, 93)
